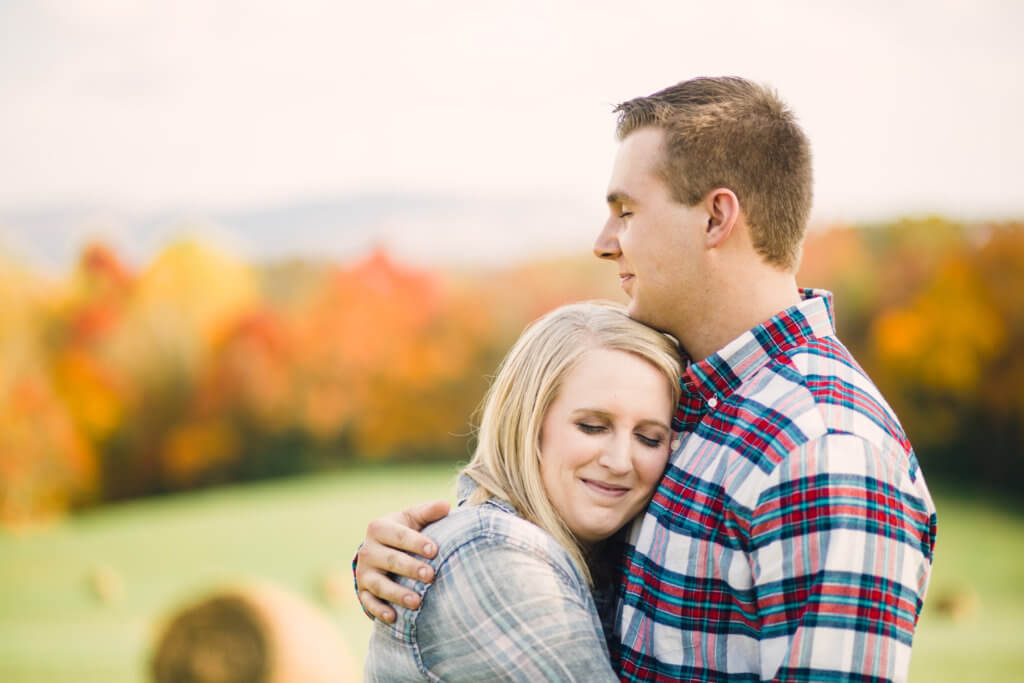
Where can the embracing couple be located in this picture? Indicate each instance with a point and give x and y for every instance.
(734, 502)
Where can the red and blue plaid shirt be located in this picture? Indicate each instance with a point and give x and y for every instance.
(791, 538)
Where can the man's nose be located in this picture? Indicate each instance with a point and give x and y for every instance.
(607, 243)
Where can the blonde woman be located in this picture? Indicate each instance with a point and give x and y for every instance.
(574, 437)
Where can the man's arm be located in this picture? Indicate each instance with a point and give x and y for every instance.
(391, 545)
(842, 542)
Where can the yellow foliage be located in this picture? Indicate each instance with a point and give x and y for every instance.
(193, 287)
(189, 363)
(21, 297)
(178, 309)
(45, 463)
(89, 393)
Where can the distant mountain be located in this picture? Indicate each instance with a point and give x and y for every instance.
(425, 229)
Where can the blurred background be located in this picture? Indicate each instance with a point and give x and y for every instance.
(258, 262)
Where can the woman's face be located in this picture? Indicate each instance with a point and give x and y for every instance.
(605, 441)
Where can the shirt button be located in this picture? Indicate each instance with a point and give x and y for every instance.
(713, 402)
(675, 443)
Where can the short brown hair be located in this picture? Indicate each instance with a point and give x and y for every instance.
(730, 132)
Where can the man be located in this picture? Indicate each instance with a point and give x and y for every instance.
(791, 537)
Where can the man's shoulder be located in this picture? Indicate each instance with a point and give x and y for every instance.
(806, 393)
(817, 388)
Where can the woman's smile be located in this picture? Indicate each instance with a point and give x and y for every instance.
(604, 441)
(603, 489)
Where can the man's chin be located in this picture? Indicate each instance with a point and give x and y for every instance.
(637, 313)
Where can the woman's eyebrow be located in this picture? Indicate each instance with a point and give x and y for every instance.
(656, 423)
(610, 417)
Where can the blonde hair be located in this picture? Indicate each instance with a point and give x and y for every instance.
(506, 463)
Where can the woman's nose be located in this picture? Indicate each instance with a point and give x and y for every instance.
(616, 455)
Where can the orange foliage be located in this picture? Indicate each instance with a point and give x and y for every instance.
(194, 449)
(377, 340)
(250, 372)
(943, 335)
(89, 391)
(45, 463)
(100, 288)
(947, 336)
(200, 368)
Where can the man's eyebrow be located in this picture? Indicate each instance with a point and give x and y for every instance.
(619, 197)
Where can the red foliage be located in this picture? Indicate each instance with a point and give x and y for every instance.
(181, 375)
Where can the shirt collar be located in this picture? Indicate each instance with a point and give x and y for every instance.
(464, 488)
(717, 376)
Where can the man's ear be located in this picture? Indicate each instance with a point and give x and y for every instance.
(723, 208)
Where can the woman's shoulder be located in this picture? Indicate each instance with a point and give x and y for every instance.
(488, 541)
(470, 528)
(498, 579)
(489, 544)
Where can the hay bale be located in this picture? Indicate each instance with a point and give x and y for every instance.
(958, 603)
(253, 633)
(105, 584)
(336, 590)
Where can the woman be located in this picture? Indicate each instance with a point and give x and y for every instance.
(573, 439)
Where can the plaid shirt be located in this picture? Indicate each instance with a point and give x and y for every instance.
(791, 538)
(507, 604)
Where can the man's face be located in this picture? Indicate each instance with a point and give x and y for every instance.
(656, 241)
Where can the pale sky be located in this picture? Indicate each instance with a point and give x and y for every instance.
(911, 107)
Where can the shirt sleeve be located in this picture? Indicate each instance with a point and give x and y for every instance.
(498, 612)
(355, 584)
(842, 540)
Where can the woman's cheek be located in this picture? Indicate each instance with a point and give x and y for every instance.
(654, 468)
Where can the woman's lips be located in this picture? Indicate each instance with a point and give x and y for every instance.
(608, 490)
(625, 279)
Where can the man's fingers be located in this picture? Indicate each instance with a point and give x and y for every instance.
(419, 516)
(390, 547)
(373, 557)
(397, 534)
(387, 591)
(375, 607)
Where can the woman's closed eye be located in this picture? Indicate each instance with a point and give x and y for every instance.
(590, 428)
(650, 441)
(647, 440)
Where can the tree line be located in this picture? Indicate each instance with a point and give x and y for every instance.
(199, 369)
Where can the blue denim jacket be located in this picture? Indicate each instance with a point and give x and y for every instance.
(507, 604)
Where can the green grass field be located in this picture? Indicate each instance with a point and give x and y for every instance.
(296, 532)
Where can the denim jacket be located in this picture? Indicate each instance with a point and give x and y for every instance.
(506, 604)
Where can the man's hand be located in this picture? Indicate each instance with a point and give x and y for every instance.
(390, 543)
